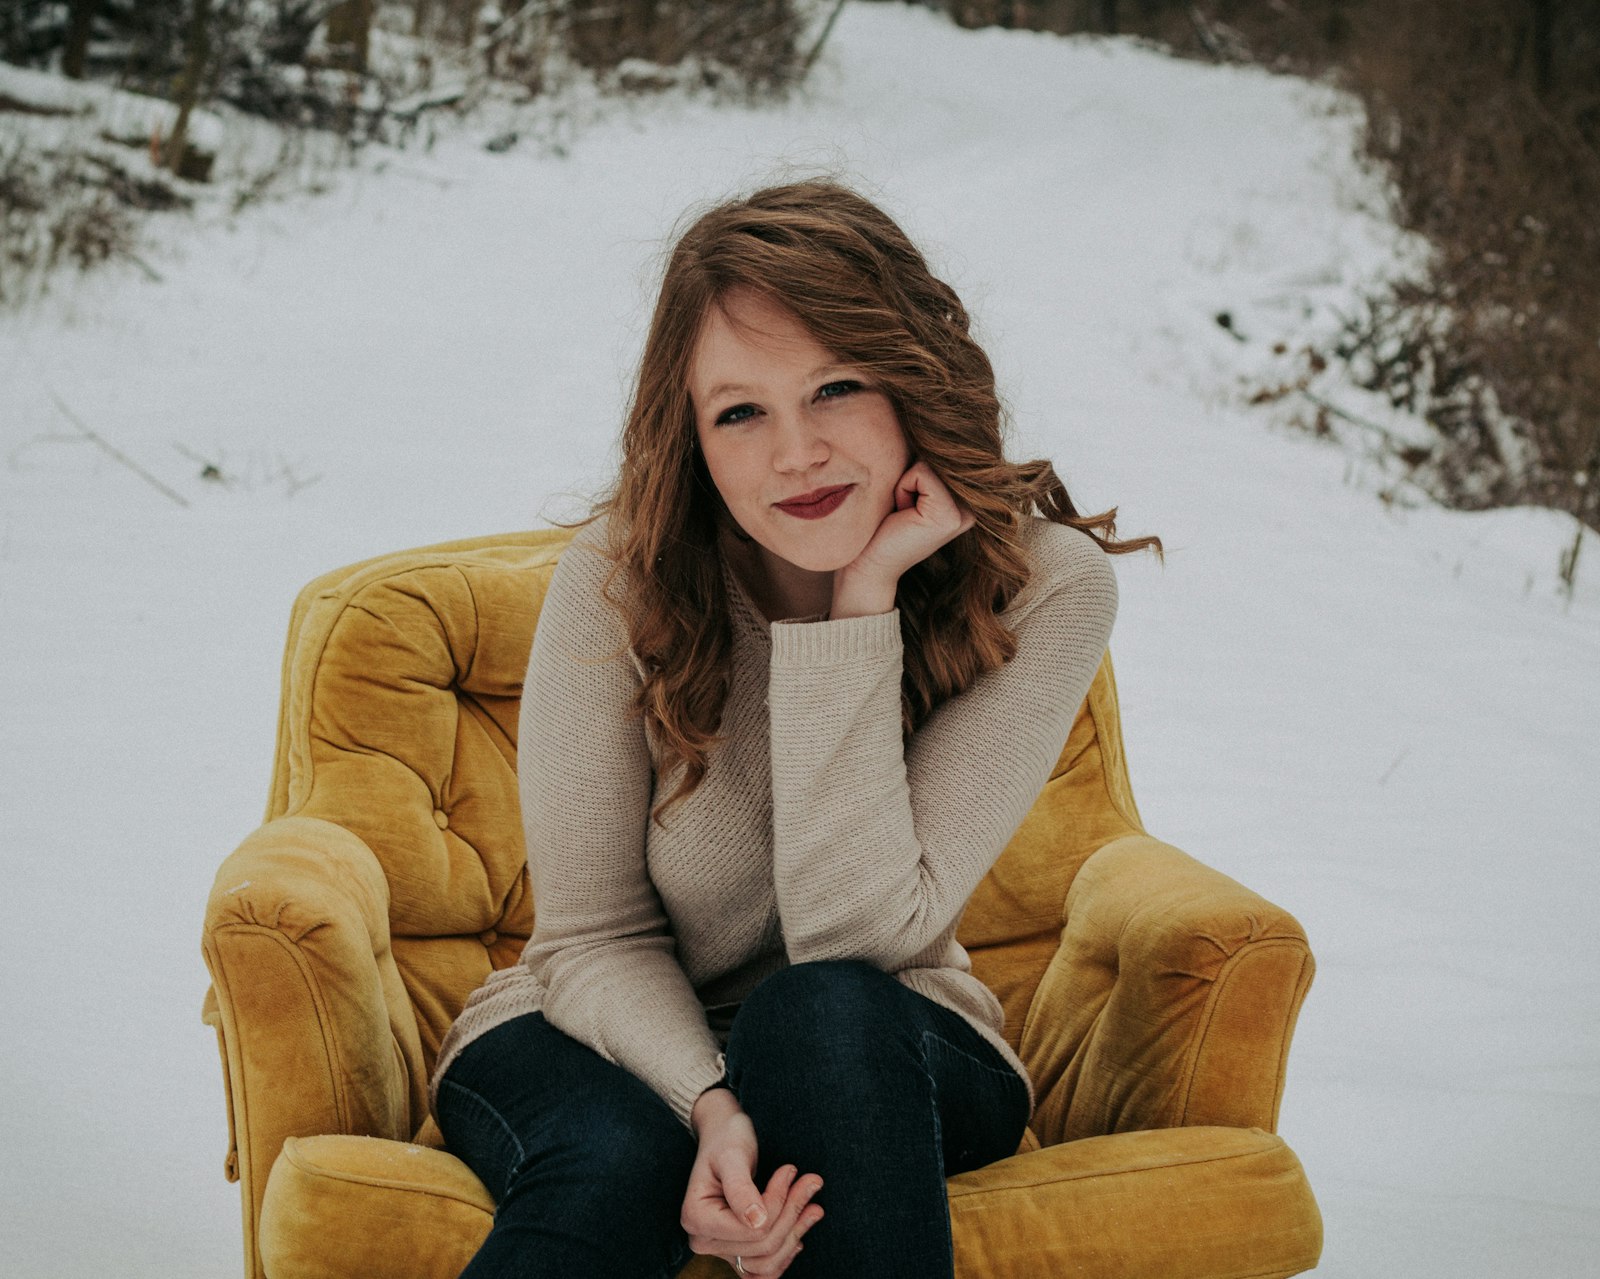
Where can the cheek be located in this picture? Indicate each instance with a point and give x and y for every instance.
(730, 473)
(894, 453)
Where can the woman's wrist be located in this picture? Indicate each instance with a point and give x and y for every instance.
(715, 1103)
(855, 596)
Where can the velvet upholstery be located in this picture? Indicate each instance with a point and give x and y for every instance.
(1152, 998)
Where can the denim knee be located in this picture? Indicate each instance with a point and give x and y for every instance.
(525, 1101)
(630, 1152)
(816, 1012)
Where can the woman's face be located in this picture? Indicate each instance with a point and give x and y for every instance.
(779, 418)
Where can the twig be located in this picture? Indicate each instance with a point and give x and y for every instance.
(1202, 31)
(209, 470)
(1389, 772)
(1352, 418)
(150, 272)
(292, 483)
(827, 28)
(500, 32)
(113, 452)
(1568, 563)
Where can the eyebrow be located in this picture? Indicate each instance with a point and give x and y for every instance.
(738, 388)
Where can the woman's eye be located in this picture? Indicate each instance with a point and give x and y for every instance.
(738, 413)
(833, 390)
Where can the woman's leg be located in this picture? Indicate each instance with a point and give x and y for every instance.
(847, 1073)
(588, 1167)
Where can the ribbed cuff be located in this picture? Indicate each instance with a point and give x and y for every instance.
(850, 639)
(686, 1089)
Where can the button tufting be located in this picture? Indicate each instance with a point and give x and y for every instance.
(441, 819)
(488, 937)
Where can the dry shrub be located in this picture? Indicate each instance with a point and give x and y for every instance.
(59, 208)
(750, 47)
(1491, 127)
(755, 41)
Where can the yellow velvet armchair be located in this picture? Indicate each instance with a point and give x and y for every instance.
(1152, 998)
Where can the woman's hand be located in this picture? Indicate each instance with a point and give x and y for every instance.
(724, 1214)
(924, 518)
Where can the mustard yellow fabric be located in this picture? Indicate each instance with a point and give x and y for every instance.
(1152, 998)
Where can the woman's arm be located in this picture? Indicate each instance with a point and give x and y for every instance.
(878, 846)
(601, 945)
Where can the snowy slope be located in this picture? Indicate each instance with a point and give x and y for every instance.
(1384, 719)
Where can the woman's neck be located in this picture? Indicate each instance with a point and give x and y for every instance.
(779, 588)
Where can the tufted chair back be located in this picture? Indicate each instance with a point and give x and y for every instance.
(399, 723)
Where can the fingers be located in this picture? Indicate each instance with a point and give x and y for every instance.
(921, 482)
(708, 1211)
(772, 1252)
(724, 1228)
(795, 1209)
(784, 1245)
(753, 1208)
(905, 491)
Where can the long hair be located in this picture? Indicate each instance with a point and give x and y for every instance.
(850, 275)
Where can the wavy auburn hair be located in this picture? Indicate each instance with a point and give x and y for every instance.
(850, 275)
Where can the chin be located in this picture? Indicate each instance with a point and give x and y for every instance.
(815, 555)
(810, 558)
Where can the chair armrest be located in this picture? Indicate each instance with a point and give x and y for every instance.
(1170, 1001)
(317, 1032)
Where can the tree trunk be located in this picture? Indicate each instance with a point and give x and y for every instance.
(1543, 20)
(199, 49)
(79, 27)
(350, 32)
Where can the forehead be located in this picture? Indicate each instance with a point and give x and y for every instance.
(743, 333)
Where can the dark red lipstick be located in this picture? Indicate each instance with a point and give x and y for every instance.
(816, 504)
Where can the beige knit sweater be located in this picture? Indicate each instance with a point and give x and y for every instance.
(816, 833)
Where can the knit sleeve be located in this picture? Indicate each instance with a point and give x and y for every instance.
(601, 946)
(878, 844)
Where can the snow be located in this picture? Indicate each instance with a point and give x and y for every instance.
(1383, 717)
(115, 112)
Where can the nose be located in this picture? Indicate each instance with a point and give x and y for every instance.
(797, 445)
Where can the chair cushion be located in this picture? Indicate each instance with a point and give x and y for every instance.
(1181, 1203)
(337, 1206)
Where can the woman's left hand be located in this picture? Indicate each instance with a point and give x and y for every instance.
(924, 518)
(724, 1214)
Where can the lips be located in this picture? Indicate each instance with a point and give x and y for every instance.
(815, 498)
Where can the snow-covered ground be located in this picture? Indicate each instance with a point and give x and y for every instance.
(1385, 719)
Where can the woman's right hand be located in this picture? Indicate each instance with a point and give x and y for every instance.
(724, 1214)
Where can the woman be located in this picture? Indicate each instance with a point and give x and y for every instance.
(793, 688)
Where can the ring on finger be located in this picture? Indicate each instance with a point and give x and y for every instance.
(738, 1264)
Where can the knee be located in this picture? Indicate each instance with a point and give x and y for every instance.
(630, 1147)
(629, 1152)
(825, 1009)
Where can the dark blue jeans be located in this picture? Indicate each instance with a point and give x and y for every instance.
(843, 1071)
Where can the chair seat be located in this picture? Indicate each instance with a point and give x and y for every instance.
(1176, 1203)
(1167, 1203)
